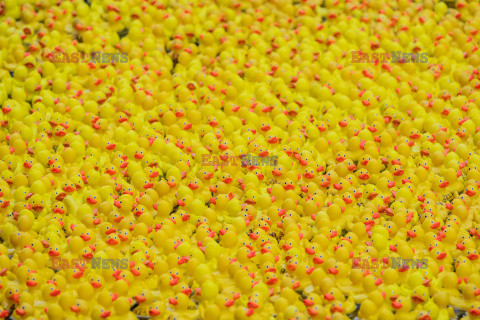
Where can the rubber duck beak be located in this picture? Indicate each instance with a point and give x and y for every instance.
(296, 285)
(55, 293)
(88, 255)
(153, 312)
(91, 200)
(312, 312)
(31, 283)
(333, 271)
(53, 253)
(105, 314)
(336, 309)
(20, 312)
(441, 256)
(112, 242)
(15, 297)
(75, 309)
(474, 312)
(473, 256)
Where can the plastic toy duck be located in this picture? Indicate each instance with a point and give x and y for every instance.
(119, 165)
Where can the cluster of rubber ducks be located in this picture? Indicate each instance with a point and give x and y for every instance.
(375, 161)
